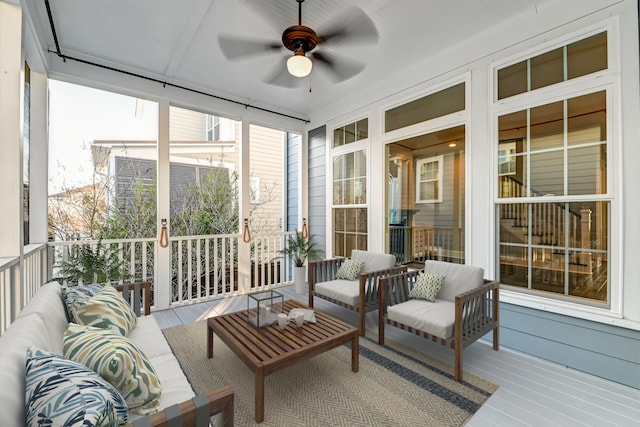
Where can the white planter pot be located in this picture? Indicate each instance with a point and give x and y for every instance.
(299, 278)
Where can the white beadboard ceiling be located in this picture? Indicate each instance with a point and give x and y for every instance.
(177, 41)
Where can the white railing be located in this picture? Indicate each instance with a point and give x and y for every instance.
(202, 267)
(19, 285)
(135, 257)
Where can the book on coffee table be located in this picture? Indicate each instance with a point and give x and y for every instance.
(309, 315)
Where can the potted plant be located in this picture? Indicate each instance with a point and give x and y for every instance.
(88, 265)
(299, 249)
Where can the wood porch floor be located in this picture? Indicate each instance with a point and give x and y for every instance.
(532, 392)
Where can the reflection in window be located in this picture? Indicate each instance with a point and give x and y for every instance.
(351, 132)
(446, 101)
(421, 171)
(556, 149)
(349, 189)
(429, 180)
(568, 62)
(558, 248)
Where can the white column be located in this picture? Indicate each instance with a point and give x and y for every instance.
(163, 255)
(244, 249)
(39, 154)
(10, 130)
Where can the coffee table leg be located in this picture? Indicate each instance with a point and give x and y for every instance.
(259, 397)
(355, 354)
(209, 342)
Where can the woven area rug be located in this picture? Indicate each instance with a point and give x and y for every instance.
(395, 386)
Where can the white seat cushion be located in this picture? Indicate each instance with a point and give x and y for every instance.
(149, 338)
(436, 318)
(345, 291)
(458, 278)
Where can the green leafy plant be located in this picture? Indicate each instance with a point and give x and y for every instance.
(299, 249)
(86, 264)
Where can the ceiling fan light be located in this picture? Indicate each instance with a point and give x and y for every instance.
(299, 65)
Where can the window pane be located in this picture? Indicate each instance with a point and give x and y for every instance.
(362, 128)
(512, 80)
(350, 230)
(547, 126)
(587, 170)
(587, 118)
(338, 137)
(349, 133)
(514, 266)
(587, 56)
(547, 269)
(547, 69)
(438, 104)
(547, 174)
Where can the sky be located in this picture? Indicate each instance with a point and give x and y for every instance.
(79, 115)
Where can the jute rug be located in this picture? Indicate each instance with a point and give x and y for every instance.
(395, 386)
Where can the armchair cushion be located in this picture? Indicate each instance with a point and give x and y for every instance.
(345, 291)
(436, 318)
(427, 286)
(458, 278)
(350, 269)
(373, 261)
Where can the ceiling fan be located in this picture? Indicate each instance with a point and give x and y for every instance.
(356, 26)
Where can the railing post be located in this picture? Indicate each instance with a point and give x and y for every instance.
(585, 238)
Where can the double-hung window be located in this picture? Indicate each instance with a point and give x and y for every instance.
(553, 157)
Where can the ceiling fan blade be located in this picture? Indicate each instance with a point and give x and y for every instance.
(356, 27)
(341, 68)
(279, 76)
(236, 48)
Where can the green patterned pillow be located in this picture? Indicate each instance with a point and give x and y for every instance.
(350, 269)
(427, 286)
(72, 294)
(107, 310)
(119, 361)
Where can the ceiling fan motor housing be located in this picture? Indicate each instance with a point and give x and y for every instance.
(299, 37)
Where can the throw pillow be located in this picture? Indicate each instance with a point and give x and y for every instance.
(108, 310)
(71, 294)
(61, 392)
(118, 360)
(427, 286)
(350, 269)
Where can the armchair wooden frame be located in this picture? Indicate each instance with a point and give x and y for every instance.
(325, 270)
(195, 412)
(476, 313)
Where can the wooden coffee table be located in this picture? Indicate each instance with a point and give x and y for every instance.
(269, 349)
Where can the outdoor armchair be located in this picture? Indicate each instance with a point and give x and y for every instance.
(465, 309)
(359, 293)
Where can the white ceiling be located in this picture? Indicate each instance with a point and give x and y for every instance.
(177, 41)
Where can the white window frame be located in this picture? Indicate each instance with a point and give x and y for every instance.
(438, 180)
